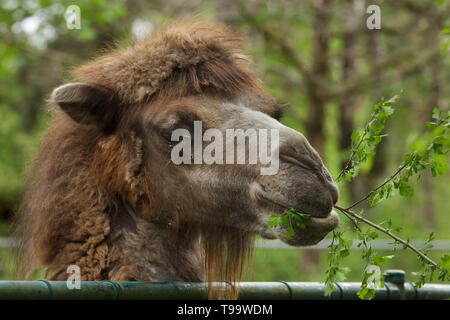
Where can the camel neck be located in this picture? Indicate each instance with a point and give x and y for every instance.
(142, 250)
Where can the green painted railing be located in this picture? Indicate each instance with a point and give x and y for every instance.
(395, 288)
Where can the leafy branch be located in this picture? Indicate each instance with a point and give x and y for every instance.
(285, 220)
(389, 233)
(365, 142)
(378, 188)
(429, 152)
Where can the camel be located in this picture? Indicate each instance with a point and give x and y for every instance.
(104, 194)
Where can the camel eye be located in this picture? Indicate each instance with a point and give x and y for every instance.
(171, 143)
(175, 126)
(166, 134)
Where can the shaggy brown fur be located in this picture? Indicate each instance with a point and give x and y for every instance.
(87, 182)
(105, 195)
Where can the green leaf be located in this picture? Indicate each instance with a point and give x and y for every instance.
(436, 114)
(285, 220)
(274, 221)
(372, 235)
(330, 288)
(289, 232)
(439, 162)
(356, 136)
(444, 262)
(341, 274)
(299, 221)
(380, 260)
(366, 293)
(406, 190)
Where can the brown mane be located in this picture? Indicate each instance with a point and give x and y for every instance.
(81, 178)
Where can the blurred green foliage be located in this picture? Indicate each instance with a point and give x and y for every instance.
(37, 51)
(17, 148)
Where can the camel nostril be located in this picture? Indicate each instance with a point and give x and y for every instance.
(334, 191)
(326, 174)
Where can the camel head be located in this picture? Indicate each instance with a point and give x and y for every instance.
(172, 104)
(200, 180)
(240, 189)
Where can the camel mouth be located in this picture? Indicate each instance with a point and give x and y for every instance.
(329, 222)
(264, 194)
(325, 223)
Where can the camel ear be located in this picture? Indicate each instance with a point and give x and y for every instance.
(88, 104)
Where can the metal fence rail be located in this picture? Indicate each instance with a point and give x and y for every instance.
(379, 244)
(395, 288)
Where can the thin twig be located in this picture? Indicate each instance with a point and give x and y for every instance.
(366, 130)
(379, 187)
(346, 166)
(390, 234)
(355, 223)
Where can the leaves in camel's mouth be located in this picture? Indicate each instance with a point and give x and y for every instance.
(285, 221)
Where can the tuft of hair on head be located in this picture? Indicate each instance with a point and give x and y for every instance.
(179, 59)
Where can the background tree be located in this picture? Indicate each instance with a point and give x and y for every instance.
(317, 57)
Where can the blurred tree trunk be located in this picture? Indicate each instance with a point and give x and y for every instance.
(315, 123)
(227, 10)
(436, 88)
(374, 54)
(352, 14)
